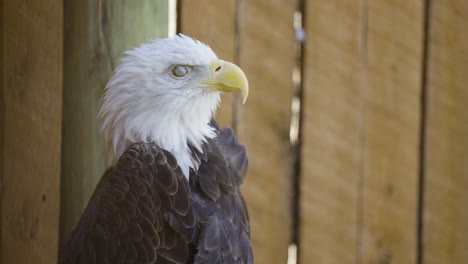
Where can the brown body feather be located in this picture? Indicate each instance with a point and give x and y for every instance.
(145, 211)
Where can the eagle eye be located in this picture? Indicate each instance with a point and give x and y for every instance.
(180, 70)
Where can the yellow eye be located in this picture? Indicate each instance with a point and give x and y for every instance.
(180, 70)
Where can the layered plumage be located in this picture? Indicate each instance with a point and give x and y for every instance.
(171, 193)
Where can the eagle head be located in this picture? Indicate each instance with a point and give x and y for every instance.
(166, 92)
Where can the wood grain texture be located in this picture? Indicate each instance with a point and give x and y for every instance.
(267, 57)
(213, 23)
(31, 116)
(361, 131)
(96, 34)
(333, 132)
(445, 237)
(392, 67)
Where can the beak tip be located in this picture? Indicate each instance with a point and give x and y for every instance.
(230, 78)
(244, 99)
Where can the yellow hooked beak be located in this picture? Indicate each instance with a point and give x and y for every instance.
(227, 77)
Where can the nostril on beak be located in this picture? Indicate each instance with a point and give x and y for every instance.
(218, 68)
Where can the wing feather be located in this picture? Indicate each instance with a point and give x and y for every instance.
(134, 213)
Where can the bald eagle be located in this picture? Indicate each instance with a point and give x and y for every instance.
(171, 191)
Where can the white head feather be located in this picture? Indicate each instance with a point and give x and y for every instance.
(145, 102)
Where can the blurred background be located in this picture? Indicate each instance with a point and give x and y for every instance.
(355, 127)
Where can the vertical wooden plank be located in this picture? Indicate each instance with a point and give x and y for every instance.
(361, 131)
(446, 165)
(96, 34)
(267, 57)
(213, 22)
(31, 117)
(392, 68)
(332, 132)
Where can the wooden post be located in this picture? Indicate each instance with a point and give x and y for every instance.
(445, 221)
(96, 34)
(31, 115)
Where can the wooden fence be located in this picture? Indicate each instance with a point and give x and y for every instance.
(377, 174)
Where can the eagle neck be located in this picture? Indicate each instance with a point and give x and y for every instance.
(174, 124)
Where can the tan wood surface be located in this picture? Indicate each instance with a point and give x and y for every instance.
(445, 237)
(31, 130)
(96, 34)
(392, 67)
(332, 155)
(267, 57)
(213, 23)
(361, 131)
